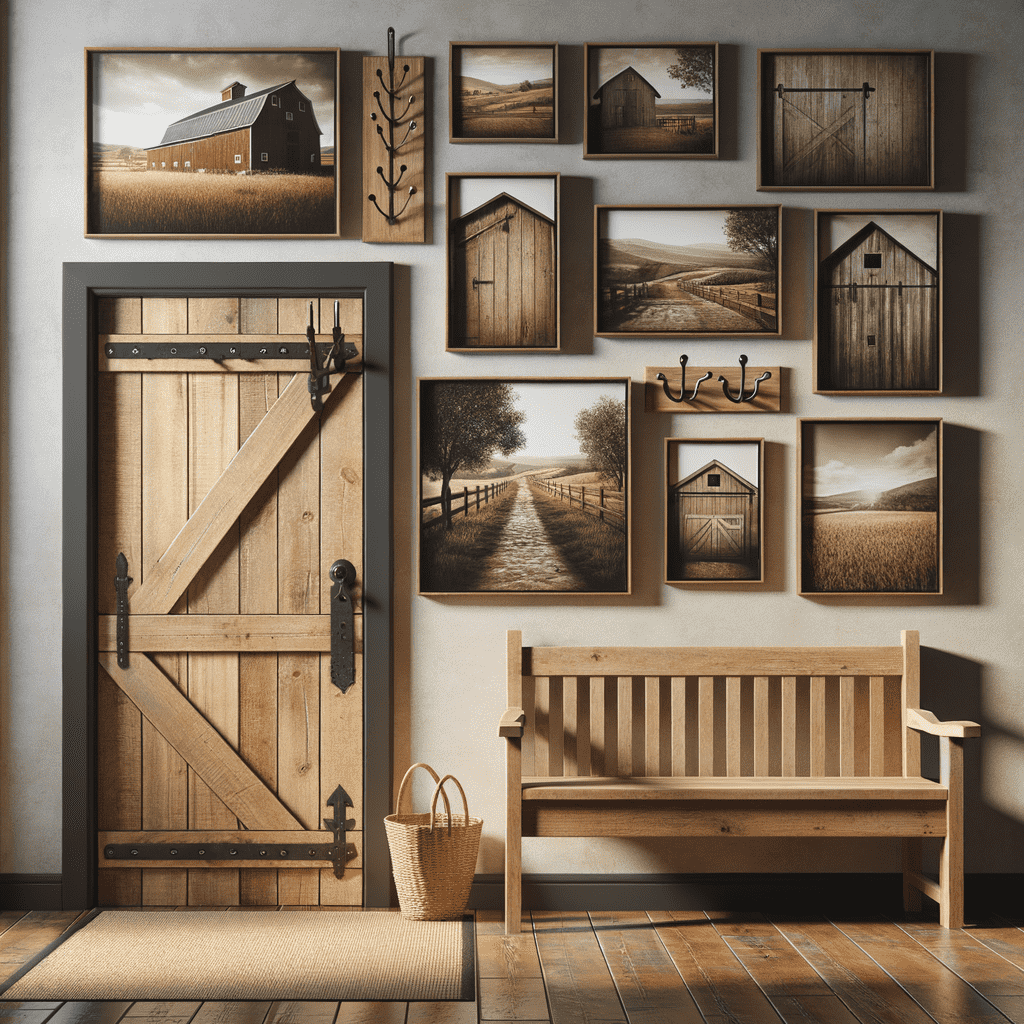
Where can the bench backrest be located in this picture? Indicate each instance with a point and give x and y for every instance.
(731, 711)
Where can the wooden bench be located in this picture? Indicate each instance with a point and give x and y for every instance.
(741, 741)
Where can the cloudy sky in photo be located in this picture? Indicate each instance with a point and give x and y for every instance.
(862, 456)
(506, 65)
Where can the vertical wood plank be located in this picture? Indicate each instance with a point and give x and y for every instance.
(529, 706)
(951, 854)
(119, 316)
(706, 725)
(789, 726)
(597, 736)
(876, 726)
(624, 690)
(556, 734)
(584, 745)
(678, 726)
(611, 726)
(212, 316)
(513, 787)
(911, 693)
(652, 726)
(761, 725)
(164, 316)
(542, 702)
(293, 315)
(846, 726)
(732, 726)
(817, 726)
(570, 727)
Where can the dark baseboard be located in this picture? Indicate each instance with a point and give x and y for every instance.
(30, 892)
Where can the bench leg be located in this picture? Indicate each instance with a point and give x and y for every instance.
(513, 885)
(951, 857)
(912, 863)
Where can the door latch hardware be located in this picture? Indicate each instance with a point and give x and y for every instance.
(339, 825)
(218, 352)
(121, 583)
(477, 282)
(343, 625)
(334, 359)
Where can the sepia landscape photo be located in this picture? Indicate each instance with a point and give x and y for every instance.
(687, 270)
(870, 505)
(524, 486)
(212, 143)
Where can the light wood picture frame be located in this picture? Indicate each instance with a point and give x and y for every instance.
(870, 501)
(524, 485)
(714, 510)
(212, 143)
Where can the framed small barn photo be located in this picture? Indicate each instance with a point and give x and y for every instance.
(503, 262)
(212, 143)
(524, 485)
(878, 302)
(870, 499)
(503, 92)
(677, 271)
(714, 510)
(651, 100)
(848, 120)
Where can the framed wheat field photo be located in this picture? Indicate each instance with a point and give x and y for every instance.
(524, 485)
(870, 499)
(651, 100)
(714, 510)
(878, 302)
(211, 143)
(846, 119)
(503, 262)
(676, 271)
(503, 92)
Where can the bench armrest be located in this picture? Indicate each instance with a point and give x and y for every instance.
(512, 722)
(925, 721)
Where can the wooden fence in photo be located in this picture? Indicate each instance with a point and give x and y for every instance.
(759, 306)
(618, 298)
(462, 503)
(607, 505)
(679, 123)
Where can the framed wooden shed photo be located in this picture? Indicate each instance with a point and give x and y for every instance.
(211, 143)
(714, 510)
(870, 499)
(846, 119)
(651, 100)
(503, 262)
(878, 302)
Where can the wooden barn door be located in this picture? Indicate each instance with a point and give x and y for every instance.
(708, 538)
(230, 498)
(820, 135)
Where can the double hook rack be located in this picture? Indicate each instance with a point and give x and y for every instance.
(331, 360)
(737, 398)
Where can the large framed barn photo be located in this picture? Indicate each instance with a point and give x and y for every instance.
(212, 143)
(714, 510)
(651, 101)
(503, 262)
(878, 302)
(846, 120)
(524, 485)
(677, 271)
(870, 498)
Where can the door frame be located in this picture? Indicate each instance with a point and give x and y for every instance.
(83, 285)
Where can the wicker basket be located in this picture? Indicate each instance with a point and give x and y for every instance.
(433, 855)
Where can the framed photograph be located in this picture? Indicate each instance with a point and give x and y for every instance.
(676, 271)
(846, 119)
(714, 512)
(503, 92)
(524, 485)
(878, 302)
(211, 143)
(651, 100)
(870, 499)
(503, 262)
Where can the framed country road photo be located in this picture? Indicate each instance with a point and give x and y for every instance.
(524, 485)
(211, 143)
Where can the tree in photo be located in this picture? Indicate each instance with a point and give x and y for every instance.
(756, 232)
(601, 431)
(694, 68)
(465, 423)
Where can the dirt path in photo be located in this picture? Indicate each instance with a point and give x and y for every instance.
(524, 558)
(682, 312)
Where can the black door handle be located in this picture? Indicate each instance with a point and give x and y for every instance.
(343, 625)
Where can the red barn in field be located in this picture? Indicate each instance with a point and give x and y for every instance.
(274, 129)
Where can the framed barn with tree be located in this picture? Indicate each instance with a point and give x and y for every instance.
(524, 485)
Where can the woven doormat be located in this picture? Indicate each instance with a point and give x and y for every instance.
(256, 954)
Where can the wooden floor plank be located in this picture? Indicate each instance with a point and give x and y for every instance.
(14, 1013)
(301, 1012)
(227, 1012)
(34, 932)
(94, 1012)
(162, 1013)
(1003, 938)
(372, 1013)
(463, 1012)
(9, 918)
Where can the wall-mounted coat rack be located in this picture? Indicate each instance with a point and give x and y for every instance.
(394, 147)
(670, 390)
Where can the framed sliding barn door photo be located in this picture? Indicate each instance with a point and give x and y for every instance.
(230, 661)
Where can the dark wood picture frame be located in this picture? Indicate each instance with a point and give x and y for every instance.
(503, 262)
(687, 271)
(870, 507)
(525, 486)
(650, 101)
(521, 107)
(714, 510)
(845, 120)
(249, 164)
(878, 302)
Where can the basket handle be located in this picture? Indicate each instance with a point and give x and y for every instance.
(433, 803)
(434, 776)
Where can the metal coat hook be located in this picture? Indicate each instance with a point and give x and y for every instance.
(682, 383)
(319, 382)
(393, 120)
(741, 397)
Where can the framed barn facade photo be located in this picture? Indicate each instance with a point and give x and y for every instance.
(503, 262)
(878, 302)
(524, 485)
(870, 498)
(846, 119)
(651, 101)
(503, 92)
(212, 143)
(714, 510)
(677, 271)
